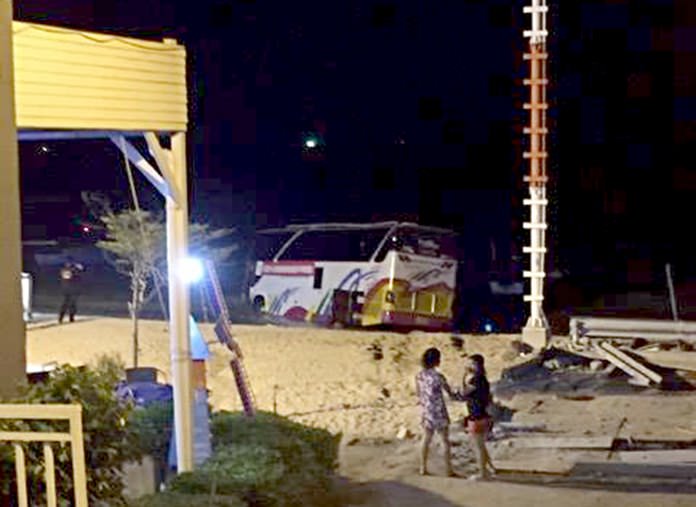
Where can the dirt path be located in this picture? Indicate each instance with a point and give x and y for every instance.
(374, 481)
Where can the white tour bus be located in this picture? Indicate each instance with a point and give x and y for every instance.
(388, 273)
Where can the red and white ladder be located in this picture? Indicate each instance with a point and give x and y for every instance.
(224, 334)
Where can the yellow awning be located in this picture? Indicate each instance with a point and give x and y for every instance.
(72, 79)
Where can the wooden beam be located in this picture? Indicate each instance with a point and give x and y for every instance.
(628, 364)
(531, 467)
(521, 427)
(143, 165)
(164, 161)
(61, 135)
(659, 456)
(669, 471)
(564, 443)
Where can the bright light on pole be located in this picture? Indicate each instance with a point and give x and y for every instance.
(311, 143)
(191, 270)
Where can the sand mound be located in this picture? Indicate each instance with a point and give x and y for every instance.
(329, 378)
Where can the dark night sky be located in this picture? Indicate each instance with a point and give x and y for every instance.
(419, 105)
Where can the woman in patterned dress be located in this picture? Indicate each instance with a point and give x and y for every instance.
(430, 385)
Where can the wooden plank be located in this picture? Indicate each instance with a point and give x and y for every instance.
(610, 468)
(639, 378)
(532, 467)
(563, 443)
(626, 363)
(659, 456)
(515, 426)
(677, 359)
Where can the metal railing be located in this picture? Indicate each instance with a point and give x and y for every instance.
(70, 413)
(584, 329)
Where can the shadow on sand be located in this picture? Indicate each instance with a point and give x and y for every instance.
(386, 494)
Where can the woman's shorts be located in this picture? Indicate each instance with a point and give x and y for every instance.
(479, 426)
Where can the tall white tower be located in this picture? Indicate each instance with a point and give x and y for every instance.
(536, 331)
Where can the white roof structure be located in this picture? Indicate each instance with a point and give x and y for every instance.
(351, 226)
(58, 83)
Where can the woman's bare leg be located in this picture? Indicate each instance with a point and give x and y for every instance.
(444, 435)
(490, 467)
(482, 458)
(425, 446)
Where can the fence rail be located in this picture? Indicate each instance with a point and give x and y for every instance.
(70, 413)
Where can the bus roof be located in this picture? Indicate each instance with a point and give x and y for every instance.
(349, 226)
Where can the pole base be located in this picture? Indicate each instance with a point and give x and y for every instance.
(537, 337)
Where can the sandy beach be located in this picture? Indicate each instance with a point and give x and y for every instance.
(331, 379)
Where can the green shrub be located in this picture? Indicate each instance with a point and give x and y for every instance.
(151, 427)
(267, 461)
(107, 442)
(234, 469)
(280, 432)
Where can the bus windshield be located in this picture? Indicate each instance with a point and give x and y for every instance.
(348, 245)
(420, 242)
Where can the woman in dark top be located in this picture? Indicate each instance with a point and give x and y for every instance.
(477, 395)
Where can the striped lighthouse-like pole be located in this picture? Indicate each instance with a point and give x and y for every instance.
(536, 331)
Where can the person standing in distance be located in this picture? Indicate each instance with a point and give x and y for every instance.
(70, 288)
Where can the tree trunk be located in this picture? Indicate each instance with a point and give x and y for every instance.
(134, 309)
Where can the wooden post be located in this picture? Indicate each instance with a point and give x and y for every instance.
(177, 246)
(13, 357)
